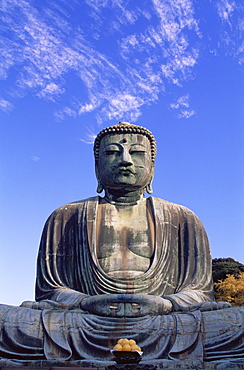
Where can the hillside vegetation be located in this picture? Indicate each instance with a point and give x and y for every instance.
(228, 277)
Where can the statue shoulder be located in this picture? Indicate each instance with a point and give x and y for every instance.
(171, 207)
(71, 208)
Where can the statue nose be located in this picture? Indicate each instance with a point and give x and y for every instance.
(125, 158)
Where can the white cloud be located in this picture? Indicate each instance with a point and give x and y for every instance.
(50, 91)
(5, 105)
(165, 47)
(123, 106)
(87, 108)
(64, 112)
(186, 113)
(182, 106)
(225, 9)
(89, 136)
(231, 33)
(46, 50)
(183, 101)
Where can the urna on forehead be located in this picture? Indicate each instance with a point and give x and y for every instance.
(125, 128)
(125, 139)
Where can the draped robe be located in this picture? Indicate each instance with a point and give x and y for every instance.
(68, 271)
(68, 267)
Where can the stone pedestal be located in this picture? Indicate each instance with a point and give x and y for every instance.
(111, 365)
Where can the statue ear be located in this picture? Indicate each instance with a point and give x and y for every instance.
(149, 188)
(99, 187)
(99, 184)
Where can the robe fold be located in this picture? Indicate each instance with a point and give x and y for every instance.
(68, 271)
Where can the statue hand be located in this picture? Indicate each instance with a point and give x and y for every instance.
(143, 304)
(209, 306)
(45, 305)
(104, 304)
(126, 305)
(48, 304)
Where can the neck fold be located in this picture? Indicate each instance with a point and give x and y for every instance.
(128, 198)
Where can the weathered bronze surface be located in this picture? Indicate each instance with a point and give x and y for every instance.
(124, 265)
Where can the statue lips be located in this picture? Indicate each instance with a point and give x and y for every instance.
(125, 171)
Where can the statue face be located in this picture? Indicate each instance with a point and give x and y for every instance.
(125, 161)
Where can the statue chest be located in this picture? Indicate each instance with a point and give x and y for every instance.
(124, 239)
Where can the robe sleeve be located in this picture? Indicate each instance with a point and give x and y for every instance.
(57, 260)
(194, 263)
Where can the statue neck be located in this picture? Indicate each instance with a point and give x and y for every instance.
(129, 198)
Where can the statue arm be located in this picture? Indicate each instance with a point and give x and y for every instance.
(57, 259)
(194, 283)
(68, 297)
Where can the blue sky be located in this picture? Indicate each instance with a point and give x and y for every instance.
(69, 68)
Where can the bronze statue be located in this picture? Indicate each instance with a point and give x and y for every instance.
(123, 265)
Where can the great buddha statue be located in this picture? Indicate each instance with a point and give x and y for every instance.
(124, 265)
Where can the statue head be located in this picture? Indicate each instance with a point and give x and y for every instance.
(124, 158)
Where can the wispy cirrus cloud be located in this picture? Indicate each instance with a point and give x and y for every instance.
(50, 91)
(231, 33)
(225, 9)
(5, 105)
(166, 44)
(182, 106)
(35, 159)
(152, 46)
(122, 104)
(89, 135)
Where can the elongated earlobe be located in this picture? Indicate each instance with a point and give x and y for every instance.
(99, 187)
(99, 184)
(149, 188)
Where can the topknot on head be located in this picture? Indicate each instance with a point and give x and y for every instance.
(125, 128)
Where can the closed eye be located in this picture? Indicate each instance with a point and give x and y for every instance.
(137, 152)
(112, 152)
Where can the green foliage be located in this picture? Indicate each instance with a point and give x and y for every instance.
(226, 266)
